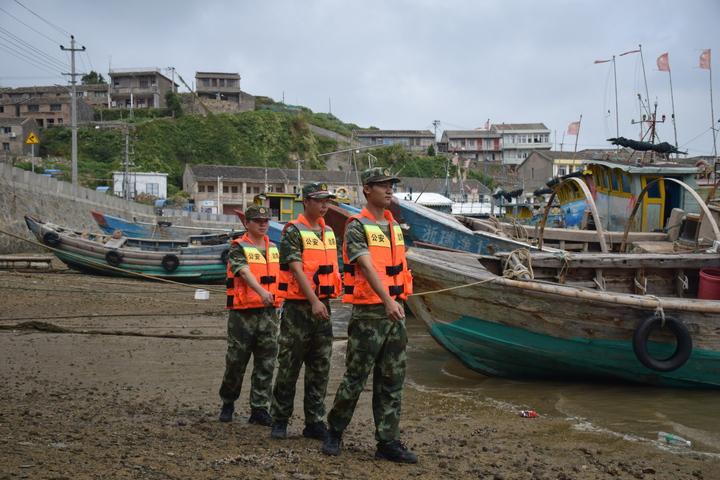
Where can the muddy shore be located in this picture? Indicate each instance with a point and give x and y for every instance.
(133, 394)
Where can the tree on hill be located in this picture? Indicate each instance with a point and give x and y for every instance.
(93, 78)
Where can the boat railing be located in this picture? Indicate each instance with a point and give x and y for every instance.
(624, 246)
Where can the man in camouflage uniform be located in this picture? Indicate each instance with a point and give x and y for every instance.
(305, 330)
(377, 337)
(251, 331)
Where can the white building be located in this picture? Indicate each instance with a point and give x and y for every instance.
(151, 183)
(520, 139)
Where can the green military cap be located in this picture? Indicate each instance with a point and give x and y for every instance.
(377, 175)
(257, 211)
(316, 190)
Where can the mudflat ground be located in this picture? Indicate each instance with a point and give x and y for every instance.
(116, 378)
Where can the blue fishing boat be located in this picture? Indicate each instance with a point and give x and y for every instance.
(428, 228)
(160, 230)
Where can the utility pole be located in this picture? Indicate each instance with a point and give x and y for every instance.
(172, 86)
(73, 108)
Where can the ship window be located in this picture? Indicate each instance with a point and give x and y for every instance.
(654, 189)
(615, 180)
(627, 183)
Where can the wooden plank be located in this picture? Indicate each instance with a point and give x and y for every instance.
(625, 260)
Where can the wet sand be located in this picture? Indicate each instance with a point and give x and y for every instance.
(136, 397)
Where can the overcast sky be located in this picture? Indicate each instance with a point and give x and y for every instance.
(403, 64)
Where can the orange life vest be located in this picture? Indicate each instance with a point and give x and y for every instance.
(319, 262)
(388, 258)
(265, 269)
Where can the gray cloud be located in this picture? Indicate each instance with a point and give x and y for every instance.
(402, 64)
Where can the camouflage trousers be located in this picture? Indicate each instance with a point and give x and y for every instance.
(303, 339)
(375, 344)
(252, 332)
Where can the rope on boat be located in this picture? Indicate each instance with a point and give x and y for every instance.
(117, 269)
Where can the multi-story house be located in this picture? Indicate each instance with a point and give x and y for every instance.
(139, 88)
(478, 145)
(48, 106)
(415, 140)
(13, 133)
(520, 139)
(220, 92)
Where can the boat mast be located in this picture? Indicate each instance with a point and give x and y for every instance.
(617, 119)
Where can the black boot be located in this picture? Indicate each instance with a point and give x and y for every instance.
(316, 430)
(226, 412)
(395, 451)
(260, 416)
(279, 430)
(332, 443)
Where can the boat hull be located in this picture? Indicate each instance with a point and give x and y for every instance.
(204, 264)
(501, 329)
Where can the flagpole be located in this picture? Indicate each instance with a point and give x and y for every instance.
(577, 135)
(647, 94)
(617, 120)
(712, 120)
(672, 102)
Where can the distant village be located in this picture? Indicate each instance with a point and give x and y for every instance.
(519, 154)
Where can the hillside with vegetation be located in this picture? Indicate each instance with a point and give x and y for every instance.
(165, 140)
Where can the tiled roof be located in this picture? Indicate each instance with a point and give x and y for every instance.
(393, 133)
(470, 134)
(519, 126)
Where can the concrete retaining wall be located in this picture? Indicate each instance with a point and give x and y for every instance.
(25, 193)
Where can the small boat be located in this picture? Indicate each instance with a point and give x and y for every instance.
(200, 258)
(160, 230)
(579, 316)
(428, 228)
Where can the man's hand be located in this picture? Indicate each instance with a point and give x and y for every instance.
(267, 298)
(394, 310)
(319, 310)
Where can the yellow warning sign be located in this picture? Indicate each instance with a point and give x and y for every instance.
(32, 139)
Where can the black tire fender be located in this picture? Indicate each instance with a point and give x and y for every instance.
(170, 263)
(114, 258)
(51, 238)
(683, 346)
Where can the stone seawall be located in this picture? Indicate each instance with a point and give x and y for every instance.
(26, 193)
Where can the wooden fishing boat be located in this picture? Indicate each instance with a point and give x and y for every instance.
(160, 230)
(428, 228)
(200, 258)
(578, 316)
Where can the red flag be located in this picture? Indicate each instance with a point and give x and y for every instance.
(602, 61)
(663, 62)
(573, 128)
(705, 59)
(629, 52)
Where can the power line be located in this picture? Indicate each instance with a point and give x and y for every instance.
(55, 42)
(32, 58)
(25, 59)
(59, 29)
(23, 44)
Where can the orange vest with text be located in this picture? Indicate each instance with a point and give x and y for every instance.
(319, 262)
(388, 258)
(265, 269)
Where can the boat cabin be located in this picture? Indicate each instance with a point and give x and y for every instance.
(615, 188)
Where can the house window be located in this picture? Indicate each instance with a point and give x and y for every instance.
(33, 108)
(143, 83)
(226, 189)
(234, 189)
(532, 173)
(50, 122)
(211, 188)
(55, 107)
(152, 189)
(256, 189)
(7, 129)
(59, 121)
(6, 147)
(248, 189)
(116, 84)
(201, 188)
(2, 109)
